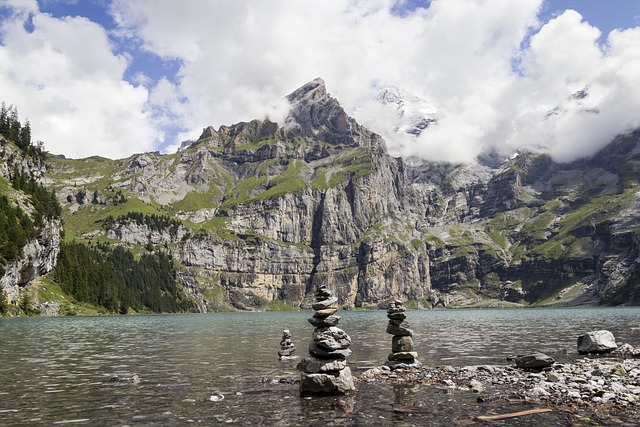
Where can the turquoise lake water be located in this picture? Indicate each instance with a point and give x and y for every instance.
(58, 371)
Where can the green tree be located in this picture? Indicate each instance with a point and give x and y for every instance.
(3, 301)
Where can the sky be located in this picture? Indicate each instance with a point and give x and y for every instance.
(114, 78)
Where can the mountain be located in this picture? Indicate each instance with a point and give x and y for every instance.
(266, 212)
(253, 216)
(30, 227)
(414, 114)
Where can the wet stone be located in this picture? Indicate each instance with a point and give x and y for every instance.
(313, 365)
(400, 330)
(534, 361)
(320, 322)
(396, 322)
(403, 355)
(327, 303)
(322, 353)
(326, 384)
(397, 316)
(331, 338)
(325, 312)
(323, 292)
(325, 371)
(401, 343)
(287, 348)
(596, 342)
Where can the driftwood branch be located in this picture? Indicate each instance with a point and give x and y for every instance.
(510, 415)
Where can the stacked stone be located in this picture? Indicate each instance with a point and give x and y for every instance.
(325, 370)
(402, 352)
(286, 346)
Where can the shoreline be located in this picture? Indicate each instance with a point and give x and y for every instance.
(604, 386)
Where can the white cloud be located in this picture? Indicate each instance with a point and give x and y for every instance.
(64, 77)
(491, 68)
(20, 7)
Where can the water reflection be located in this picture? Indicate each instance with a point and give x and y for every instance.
(61, 370)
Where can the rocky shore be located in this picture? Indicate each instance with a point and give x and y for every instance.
(605, 385)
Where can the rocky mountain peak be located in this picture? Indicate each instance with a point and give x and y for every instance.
(310, 92)
(317, 115)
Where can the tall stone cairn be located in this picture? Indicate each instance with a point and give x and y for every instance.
(325, 371)
(402, 352)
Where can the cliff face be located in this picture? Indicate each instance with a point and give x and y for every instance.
(268, 212)
(264, 213)
(39, 254)
(535, 231)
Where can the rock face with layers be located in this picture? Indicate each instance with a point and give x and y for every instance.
(325, 371)
(272, 210)
(402, 353)
(40, 254)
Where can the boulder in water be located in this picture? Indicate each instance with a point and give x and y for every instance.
(596, 342)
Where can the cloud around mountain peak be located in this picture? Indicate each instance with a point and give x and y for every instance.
(491, 69)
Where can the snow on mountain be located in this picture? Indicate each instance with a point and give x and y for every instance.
(414, 113)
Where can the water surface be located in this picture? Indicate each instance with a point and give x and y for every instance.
(57, 371)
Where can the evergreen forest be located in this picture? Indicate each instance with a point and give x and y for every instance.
(111, 277)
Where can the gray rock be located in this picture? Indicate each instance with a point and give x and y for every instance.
(401, 343)
(397, 316)
(403, 355)
(322, 353)
(534, 361)
(627, 351)
(313, 365)
(326, 384)
(476, 386)
(331, 338)
(596, 342)
(403, 364)
(287, 348)
(399, 330)
(325, 312)
(320, 322)
(331, 302)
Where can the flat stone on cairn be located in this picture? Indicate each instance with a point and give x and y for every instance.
(286, 346)
(325, 371)
(402, 353)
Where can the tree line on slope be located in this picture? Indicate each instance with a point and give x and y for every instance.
(108, 277)
(114, 279)
(13, 130)
(16, 226)
(152, 221)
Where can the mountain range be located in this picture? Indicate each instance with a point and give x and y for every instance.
(255, 215)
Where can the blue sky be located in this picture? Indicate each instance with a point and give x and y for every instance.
(112, 78)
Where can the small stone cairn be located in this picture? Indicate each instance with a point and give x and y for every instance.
(402, 352)
(325, 371)
(286, 346)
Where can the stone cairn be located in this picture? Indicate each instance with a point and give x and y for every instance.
(325, 370)
(286, 346)
(402, 353)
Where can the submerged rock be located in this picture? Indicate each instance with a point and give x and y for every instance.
(327, 383)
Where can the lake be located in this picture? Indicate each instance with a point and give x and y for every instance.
(59, 371)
